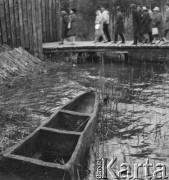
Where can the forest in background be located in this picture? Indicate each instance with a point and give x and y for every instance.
(86, 14)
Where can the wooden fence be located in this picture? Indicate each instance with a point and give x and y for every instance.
(29, 23)
(51, 20)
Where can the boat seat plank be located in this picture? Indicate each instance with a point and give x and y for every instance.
(34, 161)
(74, 113)
(60, 131)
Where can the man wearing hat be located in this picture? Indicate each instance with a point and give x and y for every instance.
(119, 25)
(145, 25)
(136, 23)
(157, 22)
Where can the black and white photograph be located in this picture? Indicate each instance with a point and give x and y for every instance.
(84, 89)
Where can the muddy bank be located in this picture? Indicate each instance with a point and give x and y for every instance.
(16, 62)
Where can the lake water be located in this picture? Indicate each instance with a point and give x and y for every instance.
(134, 121)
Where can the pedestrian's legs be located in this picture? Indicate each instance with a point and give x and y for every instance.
(140, 37)
(122, 38)
(104, 38)
(150, 36)
(61, 43)
(146, 36)
(73, 40)
(96, 39)
(166, 32)
(154, 39)
(106, 31)
(115, 38)
(100, 38)
(135, 36)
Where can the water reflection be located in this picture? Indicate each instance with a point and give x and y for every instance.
(137, 129)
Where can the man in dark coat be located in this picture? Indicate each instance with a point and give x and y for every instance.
(72, 30)
(151, 23)
(145, 25)
(136, 23)
(166, 30)
(64, 26)
(119, 25)
(140, 12)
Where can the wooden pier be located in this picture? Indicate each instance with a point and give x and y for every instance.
(150, 52)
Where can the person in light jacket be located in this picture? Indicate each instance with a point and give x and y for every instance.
(106, 20)
(99, 27)
(157, 22)
(166, 29)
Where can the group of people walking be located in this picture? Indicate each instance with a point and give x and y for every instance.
(102, 25)
(147, 25)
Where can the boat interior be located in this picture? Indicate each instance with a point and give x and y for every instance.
(68, 122)
(85, 104)
(49, 147)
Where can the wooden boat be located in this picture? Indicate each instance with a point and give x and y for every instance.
(58, 147)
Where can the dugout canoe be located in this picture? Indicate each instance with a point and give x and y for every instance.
(59, 147)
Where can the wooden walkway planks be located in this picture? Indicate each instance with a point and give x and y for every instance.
(158, 52)
(91, 46)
